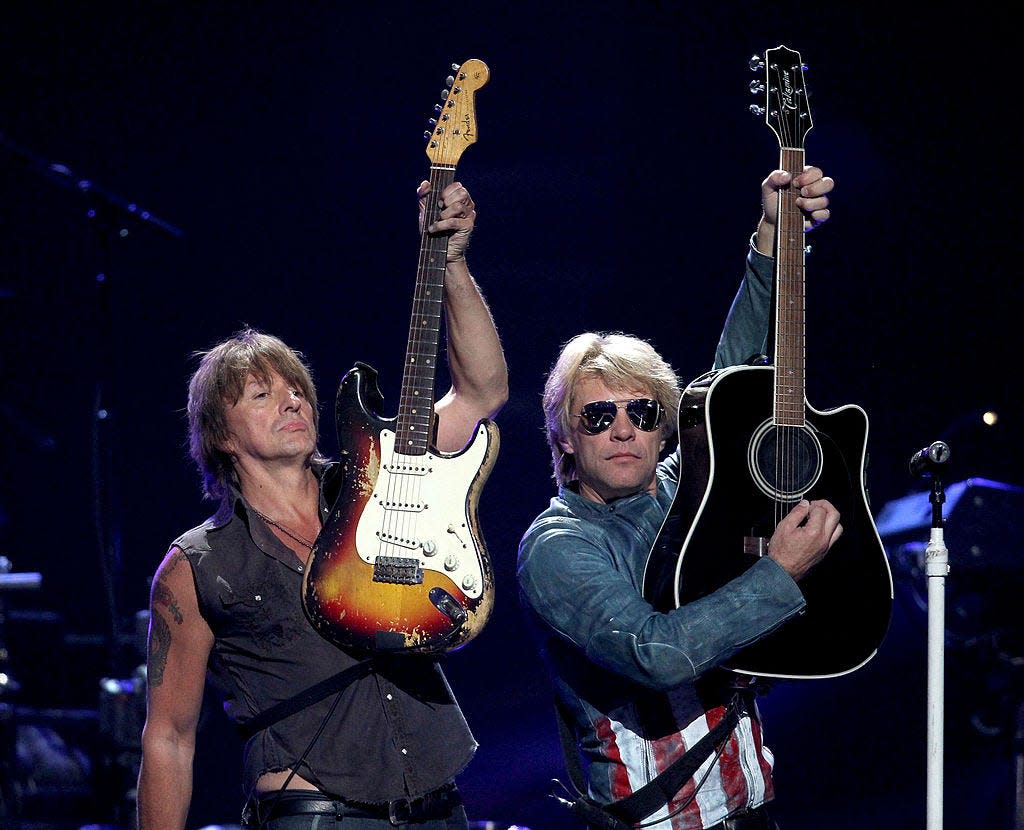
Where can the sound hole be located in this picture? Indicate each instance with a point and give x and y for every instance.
(785, 461)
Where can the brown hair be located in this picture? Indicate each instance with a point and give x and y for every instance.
(219, 381)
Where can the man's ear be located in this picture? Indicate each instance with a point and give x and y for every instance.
(566, 445)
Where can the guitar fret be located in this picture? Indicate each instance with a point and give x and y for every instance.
(416, 405)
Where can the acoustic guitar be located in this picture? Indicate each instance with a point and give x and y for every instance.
(400, 564)
(751, 447)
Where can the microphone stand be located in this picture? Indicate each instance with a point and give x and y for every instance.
(10, 796)
(936, 569)
(111, 215)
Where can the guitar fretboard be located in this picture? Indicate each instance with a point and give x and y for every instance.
(416, 400)
(790, 352)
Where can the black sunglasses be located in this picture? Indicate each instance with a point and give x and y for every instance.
(597, 416)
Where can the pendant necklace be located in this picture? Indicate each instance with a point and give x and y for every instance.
(293, 536)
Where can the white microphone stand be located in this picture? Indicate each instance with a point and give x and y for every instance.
(936, 570)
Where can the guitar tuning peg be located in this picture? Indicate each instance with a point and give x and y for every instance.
(757, 109)
(444, 94)
(437, 108)
(455, 67)
(449, 81)
(756, 87)
(432, 122)
(426, 135)
(756, 63)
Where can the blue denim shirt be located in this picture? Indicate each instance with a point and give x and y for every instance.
(616, 663)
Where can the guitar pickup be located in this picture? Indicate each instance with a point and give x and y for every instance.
(397, 570)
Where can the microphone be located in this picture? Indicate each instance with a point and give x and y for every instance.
(926, 461)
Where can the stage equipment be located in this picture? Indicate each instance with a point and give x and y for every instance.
(113, 217)
(982, 524)
(9, 794)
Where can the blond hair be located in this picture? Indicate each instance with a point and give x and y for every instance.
(620, 361)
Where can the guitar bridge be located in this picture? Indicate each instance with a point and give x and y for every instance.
(397, 570)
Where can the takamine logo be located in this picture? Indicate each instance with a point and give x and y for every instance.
(787, 91)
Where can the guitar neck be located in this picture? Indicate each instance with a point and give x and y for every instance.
(790, 352)
(416, 400)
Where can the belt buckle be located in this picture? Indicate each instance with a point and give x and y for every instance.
(400, 811)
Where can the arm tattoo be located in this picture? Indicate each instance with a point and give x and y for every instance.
(159, 645)
(159, 630)
(163, 595)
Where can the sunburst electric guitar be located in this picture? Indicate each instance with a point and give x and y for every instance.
(400, 564)
(751, 447)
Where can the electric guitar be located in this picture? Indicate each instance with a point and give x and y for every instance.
(751, 447)
(400, 564)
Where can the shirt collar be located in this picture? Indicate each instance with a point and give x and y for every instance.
(234, 504)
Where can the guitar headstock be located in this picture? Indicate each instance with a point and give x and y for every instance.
(786, 109)
(454, 128)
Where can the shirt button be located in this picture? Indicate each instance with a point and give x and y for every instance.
(389, 696)
(300, 567)
(405, 751)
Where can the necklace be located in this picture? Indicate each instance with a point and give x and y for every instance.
(293, 536)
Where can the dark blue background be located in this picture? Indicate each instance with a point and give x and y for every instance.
(616, 178)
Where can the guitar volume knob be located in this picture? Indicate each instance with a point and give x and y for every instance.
(451, 562)
(429, 547)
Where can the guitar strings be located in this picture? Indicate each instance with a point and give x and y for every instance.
(789, 324)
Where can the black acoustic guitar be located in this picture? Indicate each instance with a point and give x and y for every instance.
(752, 447)
(400, 565)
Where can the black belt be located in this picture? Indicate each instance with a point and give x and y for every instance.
(756, 819)
(437, 804)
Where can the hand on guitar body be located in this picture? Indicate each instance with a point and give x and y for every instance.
(804, 536)
(814, 188)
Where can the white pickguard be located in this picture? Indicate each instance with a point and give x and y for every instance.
(419, 511)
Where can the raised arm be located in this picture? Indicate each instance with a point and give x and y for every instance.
(746, 327)
(179, 645)
(475, 358)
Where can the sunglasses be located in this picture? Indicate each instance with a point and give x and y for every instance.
(597, 416)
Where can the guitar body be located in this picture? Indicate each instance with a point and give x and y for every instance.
(730, 499)
(400, 563)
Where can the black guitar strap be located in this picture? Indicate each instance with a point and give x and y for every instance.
(307, 697)
(625, 813)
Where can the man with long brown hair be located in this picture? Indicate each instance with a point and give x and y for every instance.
(227, 596)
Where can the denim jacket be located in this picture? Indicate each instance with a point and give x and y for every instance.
(637, 684)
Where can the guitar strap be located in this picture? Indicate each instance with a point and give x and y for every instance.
(307, 697)
(625, 813)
